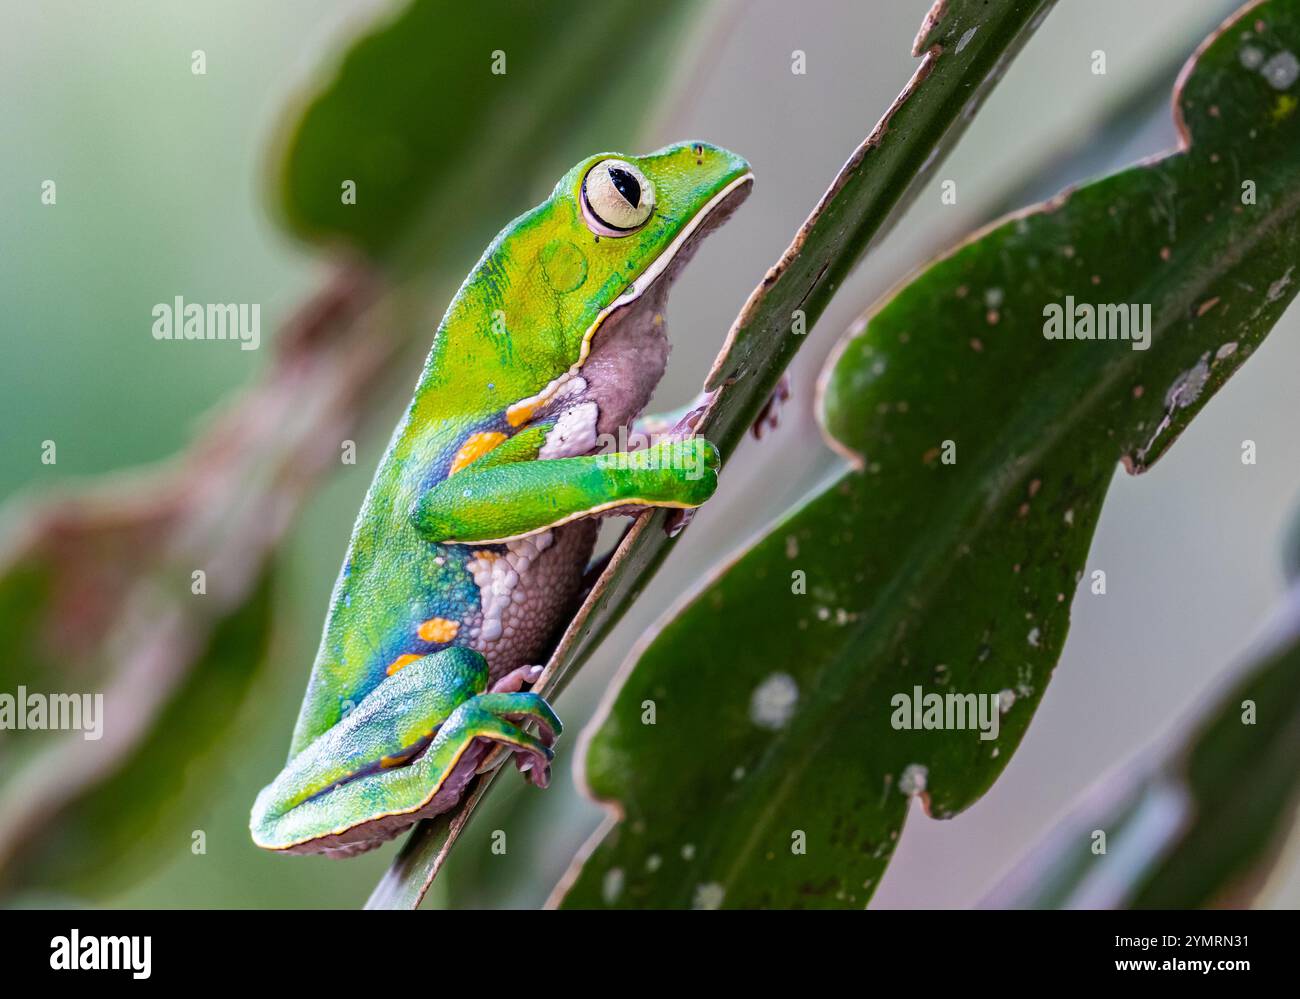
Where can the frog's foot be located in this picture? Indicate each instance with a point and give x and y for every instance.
(517, 678)
(767, 419)
(684, 428)
(512, 682)
(675, 424)
(496, 718)
(768, 416)
(678, 521)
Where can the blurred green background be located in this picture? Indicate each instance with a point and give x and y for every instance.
(161, 192)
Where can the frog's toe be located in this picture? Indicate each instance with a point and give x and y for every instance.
(768, 417)
(516, 679)
(524, 707)
(533, 772)
(497, 718)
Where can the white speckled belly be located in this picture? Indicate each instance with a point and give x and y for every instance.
(527, 591)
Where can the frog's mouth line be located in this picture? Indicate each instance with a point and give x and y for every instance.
(716, 211)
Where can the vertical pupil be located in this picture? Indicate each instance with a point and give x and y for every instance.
(626, 185)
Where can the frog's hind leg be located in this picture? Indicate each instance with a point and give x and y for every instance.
(406, 752)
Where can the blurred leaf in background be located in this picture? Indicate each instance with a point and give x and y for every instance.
(1197, 820)
(444, 119)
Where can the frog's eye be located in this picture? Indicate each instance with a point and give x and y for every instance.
(617, 198)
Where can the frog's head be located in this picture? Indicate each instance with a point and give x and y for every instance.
(635, 215)
(600, 253)
(638, 219)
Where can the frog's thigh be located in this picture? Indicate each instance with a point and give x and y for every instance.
(393, 721)
(283, 819)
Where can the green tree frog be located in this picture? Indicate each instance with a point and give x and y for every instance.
(469, 551)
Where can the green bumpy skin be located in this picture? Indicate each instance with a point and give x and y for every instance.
(507, 500)
(468, 553)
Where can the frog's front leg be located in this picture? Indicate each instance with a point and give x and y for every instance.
(507, 500)
(409, 747)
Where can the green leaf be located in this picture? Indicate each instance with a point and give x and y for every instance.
(867, 196)
(774, 709)
(1197, 820)
(440, 147)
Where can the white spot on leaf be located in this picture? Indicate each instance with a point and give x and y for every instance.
(1281, 71)
(708, 896)
(913, 779)
(612, 886)
(1276, 289)
(774, 701)
(1187, 387)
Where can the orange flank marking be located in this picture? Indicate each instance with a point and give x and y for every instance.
(475, 446)
(401, 662)
(438, 629)
(521, 412)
